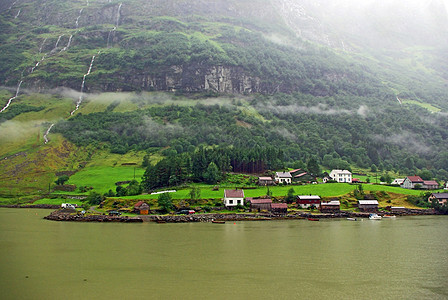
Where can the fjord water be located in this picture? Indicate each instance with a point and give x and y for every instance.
(403, 258)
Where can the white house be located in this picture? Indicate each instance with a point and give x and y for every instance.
(233, 198)
(410, 182)
(283, 177)
(341, 175)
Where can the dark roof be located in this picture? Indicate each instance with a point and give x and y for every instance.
(440, 195)
(308, 197)
(260, 201)
(234, 193)
(279, 205)
(415, 179)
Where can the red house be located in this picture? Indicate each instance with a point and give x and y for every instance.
(305, 201)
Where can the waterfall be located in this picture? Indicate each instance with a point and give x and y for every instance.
(77, 19)
(37, 64)
(399, 100)
(46, 134)
(78, 103)
(12, 98)
(108, 36)
(68, 44)
(18, 14)
(14, 3)
(116, 25)
(41, 46)
(118, 14)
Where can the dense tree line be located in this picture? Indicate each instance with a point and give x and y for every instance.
(289, 128)
(209, 165)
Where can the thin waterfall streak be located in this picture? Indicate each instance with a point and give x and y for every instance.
(46, 140)
(118, 14)
(80, 99)
(12, 98)
(41, 46)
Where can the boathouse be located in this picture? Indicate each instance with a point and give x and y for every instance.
(306, 201)
(330, 207)
(279, 208)
(259, 204)
(368, 205)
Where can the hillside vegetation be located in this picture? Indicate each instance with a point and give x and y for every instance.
(84, 81)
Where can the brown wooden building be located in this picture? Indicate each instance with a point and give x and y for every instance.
(259, 204)
(368, 205)
(141, 208)
(279, 208)
(330, 207)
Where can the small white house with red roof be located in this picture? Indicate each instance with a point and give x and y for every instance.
(233, 198)
(411, 181)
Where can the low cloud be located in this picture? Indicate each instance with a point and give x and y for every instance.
(320, 109)
(407, 140)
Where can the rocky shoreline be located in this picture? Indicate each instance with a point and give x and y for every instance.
(71, 215)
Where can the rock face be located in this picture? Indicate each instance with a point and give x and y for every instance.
(188, 78)
(68, 215)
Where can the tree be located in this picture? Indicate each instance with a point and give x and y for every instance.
(165, 203)
(94, 198)
(212, 174)
(121, 191)
(313, 166)
(290, 196)
(61, 180)
(425, 174)
(145, 162)
(195, 194)
(373, 168)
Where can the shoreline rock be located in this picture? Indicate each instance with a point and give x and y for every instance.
(70, 215)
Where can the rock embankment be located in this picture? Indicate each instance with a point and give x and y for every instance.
(71, 215)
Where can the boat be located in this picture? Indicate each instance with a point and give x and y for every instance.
(218, 222)
(389, 216)
(313, 219)
(352, 219)
(374, 217)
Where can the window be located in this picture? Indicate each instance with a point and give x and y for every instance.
(230, 201)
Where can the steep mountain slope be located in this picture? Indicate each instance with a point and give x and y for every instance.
(330, 80)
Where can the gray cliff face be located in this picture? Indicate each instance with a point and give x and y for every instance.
(190, 78)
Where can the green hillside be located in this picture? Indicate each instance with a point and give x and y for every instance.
(89, 85)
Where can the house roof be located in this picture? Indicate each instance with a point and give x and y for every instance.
(355, 180)
(440, 195)
(308, 197)
(264, 178)
(332, 203)
(368, 202)
(139, 203)
(283, 174)
(279, 205)
(295, 171)
(260, 201)
(415, 179)
(430, 182)
(398, 180)
(301, 174)
(341, 171)
(233, 193)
